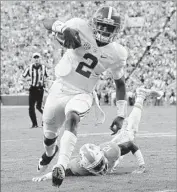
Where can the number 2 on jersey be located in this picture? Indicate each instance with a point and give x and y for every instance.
(82, 67)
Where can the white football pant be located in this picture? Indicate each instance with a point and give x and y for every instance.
(61, 100)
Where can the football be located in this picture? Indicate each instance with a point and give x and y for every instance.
(48, 23)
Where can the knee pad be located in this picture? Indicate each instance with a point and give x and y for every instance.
(49, 142)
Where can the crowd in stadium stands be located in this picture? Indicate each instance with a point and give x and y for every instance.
(22, 34)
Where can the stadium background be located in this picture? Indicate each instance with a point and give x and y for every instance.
(148, 34)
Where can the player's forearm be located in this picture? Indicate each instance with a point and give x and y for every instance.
(121, 102)
(120, 89)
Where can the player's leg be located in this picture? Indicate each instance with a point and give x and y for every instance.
(32, 101)
(75, 109)
(53, 119)
(131, 124)
(131, 147)
(136, 113)
(39, 100)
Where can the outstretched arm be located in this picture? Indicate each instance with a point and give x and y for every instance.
(45, 177)
(118, 75)
(121, 104)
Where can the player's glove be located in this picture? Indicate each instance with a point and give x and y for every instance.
(121, 115)
(116, 125)
(66, 36)
(71, 38)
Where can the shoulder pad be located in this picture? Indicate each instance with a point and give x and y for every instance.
(120, 49)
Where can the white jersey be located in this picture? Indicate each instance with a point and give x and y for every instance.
(81, 67)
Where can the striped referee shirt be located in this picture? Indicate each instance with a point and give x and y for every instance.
(37, 74)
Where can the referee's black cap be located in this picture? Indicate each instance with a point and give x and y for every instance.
(36, 55)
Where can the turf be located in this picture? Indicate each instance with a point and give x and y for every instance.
(21, 148)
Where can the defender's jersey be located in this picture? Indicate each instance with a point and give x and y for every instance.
(111, 152)
(81, 67)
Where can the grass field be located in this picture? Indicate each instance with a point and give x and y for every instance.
(21, 148)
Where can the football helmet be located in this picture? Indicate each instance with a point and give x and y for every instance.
(93, 159)
(106, 24)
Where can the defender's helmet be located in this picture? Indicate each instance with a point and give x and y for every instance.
(93, 159)
(106, 24)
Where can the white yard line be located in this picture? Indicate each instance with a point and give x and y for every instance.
(12, 160)
(167, 134)
(166, 190)
(15, 160)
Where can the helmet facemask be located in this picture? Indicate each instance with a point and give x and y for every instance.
(101, 168)
(105, 29)
(93, 159)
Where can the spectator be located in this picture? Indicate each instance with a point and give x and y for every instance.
(22, 32)
(172, 97)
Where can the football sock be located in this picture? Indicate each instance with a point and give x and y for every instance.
(139, 157)
(67, 145)
(135, 116)
(50, 150)
(139, 102)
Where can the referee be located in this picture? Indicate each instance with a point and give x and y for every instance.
(37, 73)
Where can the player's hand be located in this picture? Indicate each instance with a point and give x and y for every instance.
(45, 177)
(116, 125)
(71, 38)
(140, 170)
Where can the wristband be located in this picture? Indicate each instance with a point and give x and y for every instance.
(121, 108)
(58, 26)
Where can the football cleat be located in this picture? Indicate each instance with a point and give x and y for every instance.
(58, 175)
(45, 160)
(142, 92)
(140, 170)
(34, 126)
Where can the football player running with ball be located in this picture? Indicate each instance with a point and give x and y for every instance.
(103, 159)
(91, 50)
